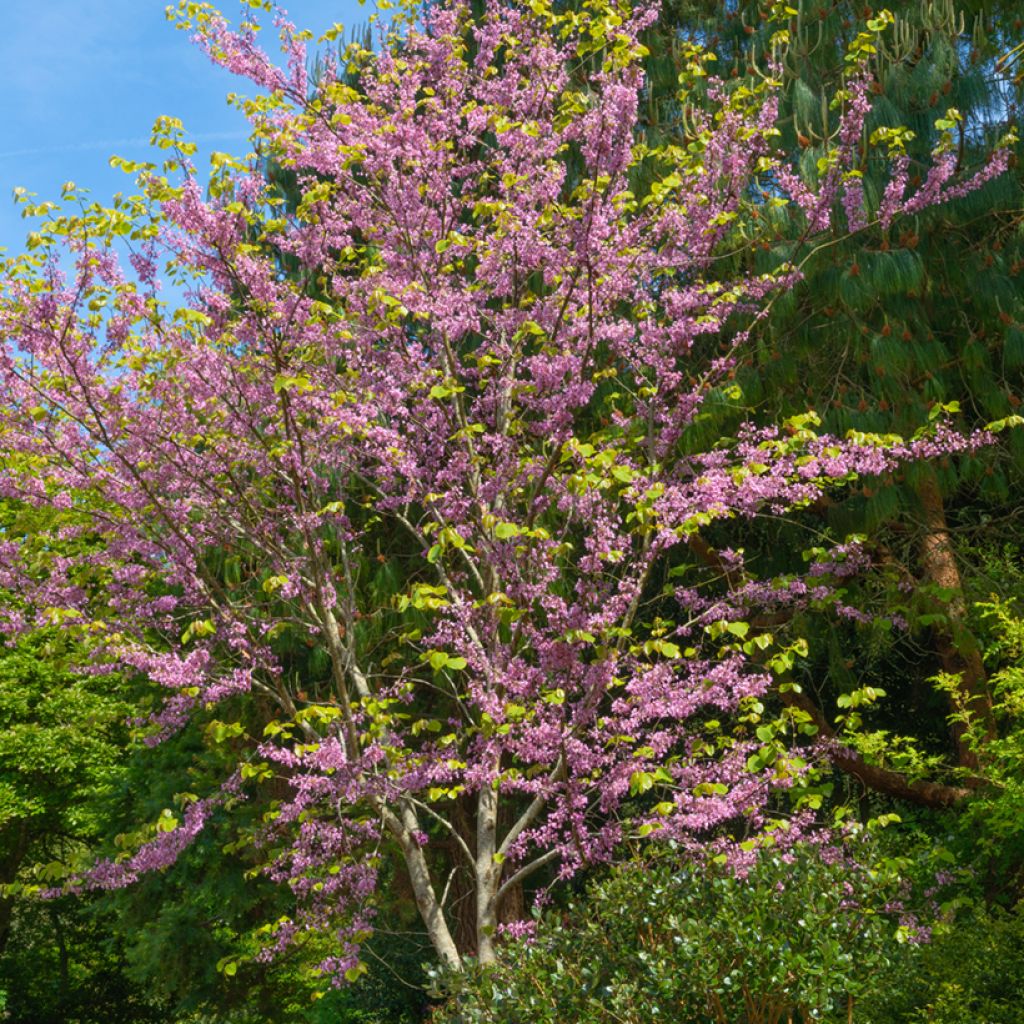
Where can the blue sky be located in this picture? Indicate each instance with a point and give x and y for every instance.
(85, 79)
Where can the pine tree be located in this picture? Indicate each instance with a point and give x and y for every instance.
(891, 323)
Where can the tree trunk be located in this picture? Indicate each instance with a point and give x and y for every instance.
(488, 873)
(403, 825)
(62, 950)
(957, 647)
(462, 898)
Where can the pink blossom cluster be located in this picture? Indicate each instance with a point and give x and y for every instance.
(155, 854)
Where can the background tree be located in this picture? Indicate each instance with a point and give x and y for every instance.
(62, 742)
(889, 323)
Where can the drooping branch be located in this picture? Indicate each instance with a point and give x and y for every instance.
(875, 777)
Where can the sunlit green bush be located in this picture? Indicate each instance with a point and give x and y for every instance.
(798, 937)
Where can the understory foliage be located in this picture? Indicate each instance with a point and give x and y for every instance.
(406, 529)
(799, 934)
(971, 972)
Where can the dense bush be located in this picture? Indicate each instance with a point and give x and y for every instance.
(971, 974)
(799, 936)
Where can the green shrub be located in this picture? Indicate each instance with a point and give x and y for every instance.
(973, 973)
(796, 938)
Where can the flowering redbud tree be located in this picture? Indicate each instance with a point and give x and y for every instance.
(434, 412)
